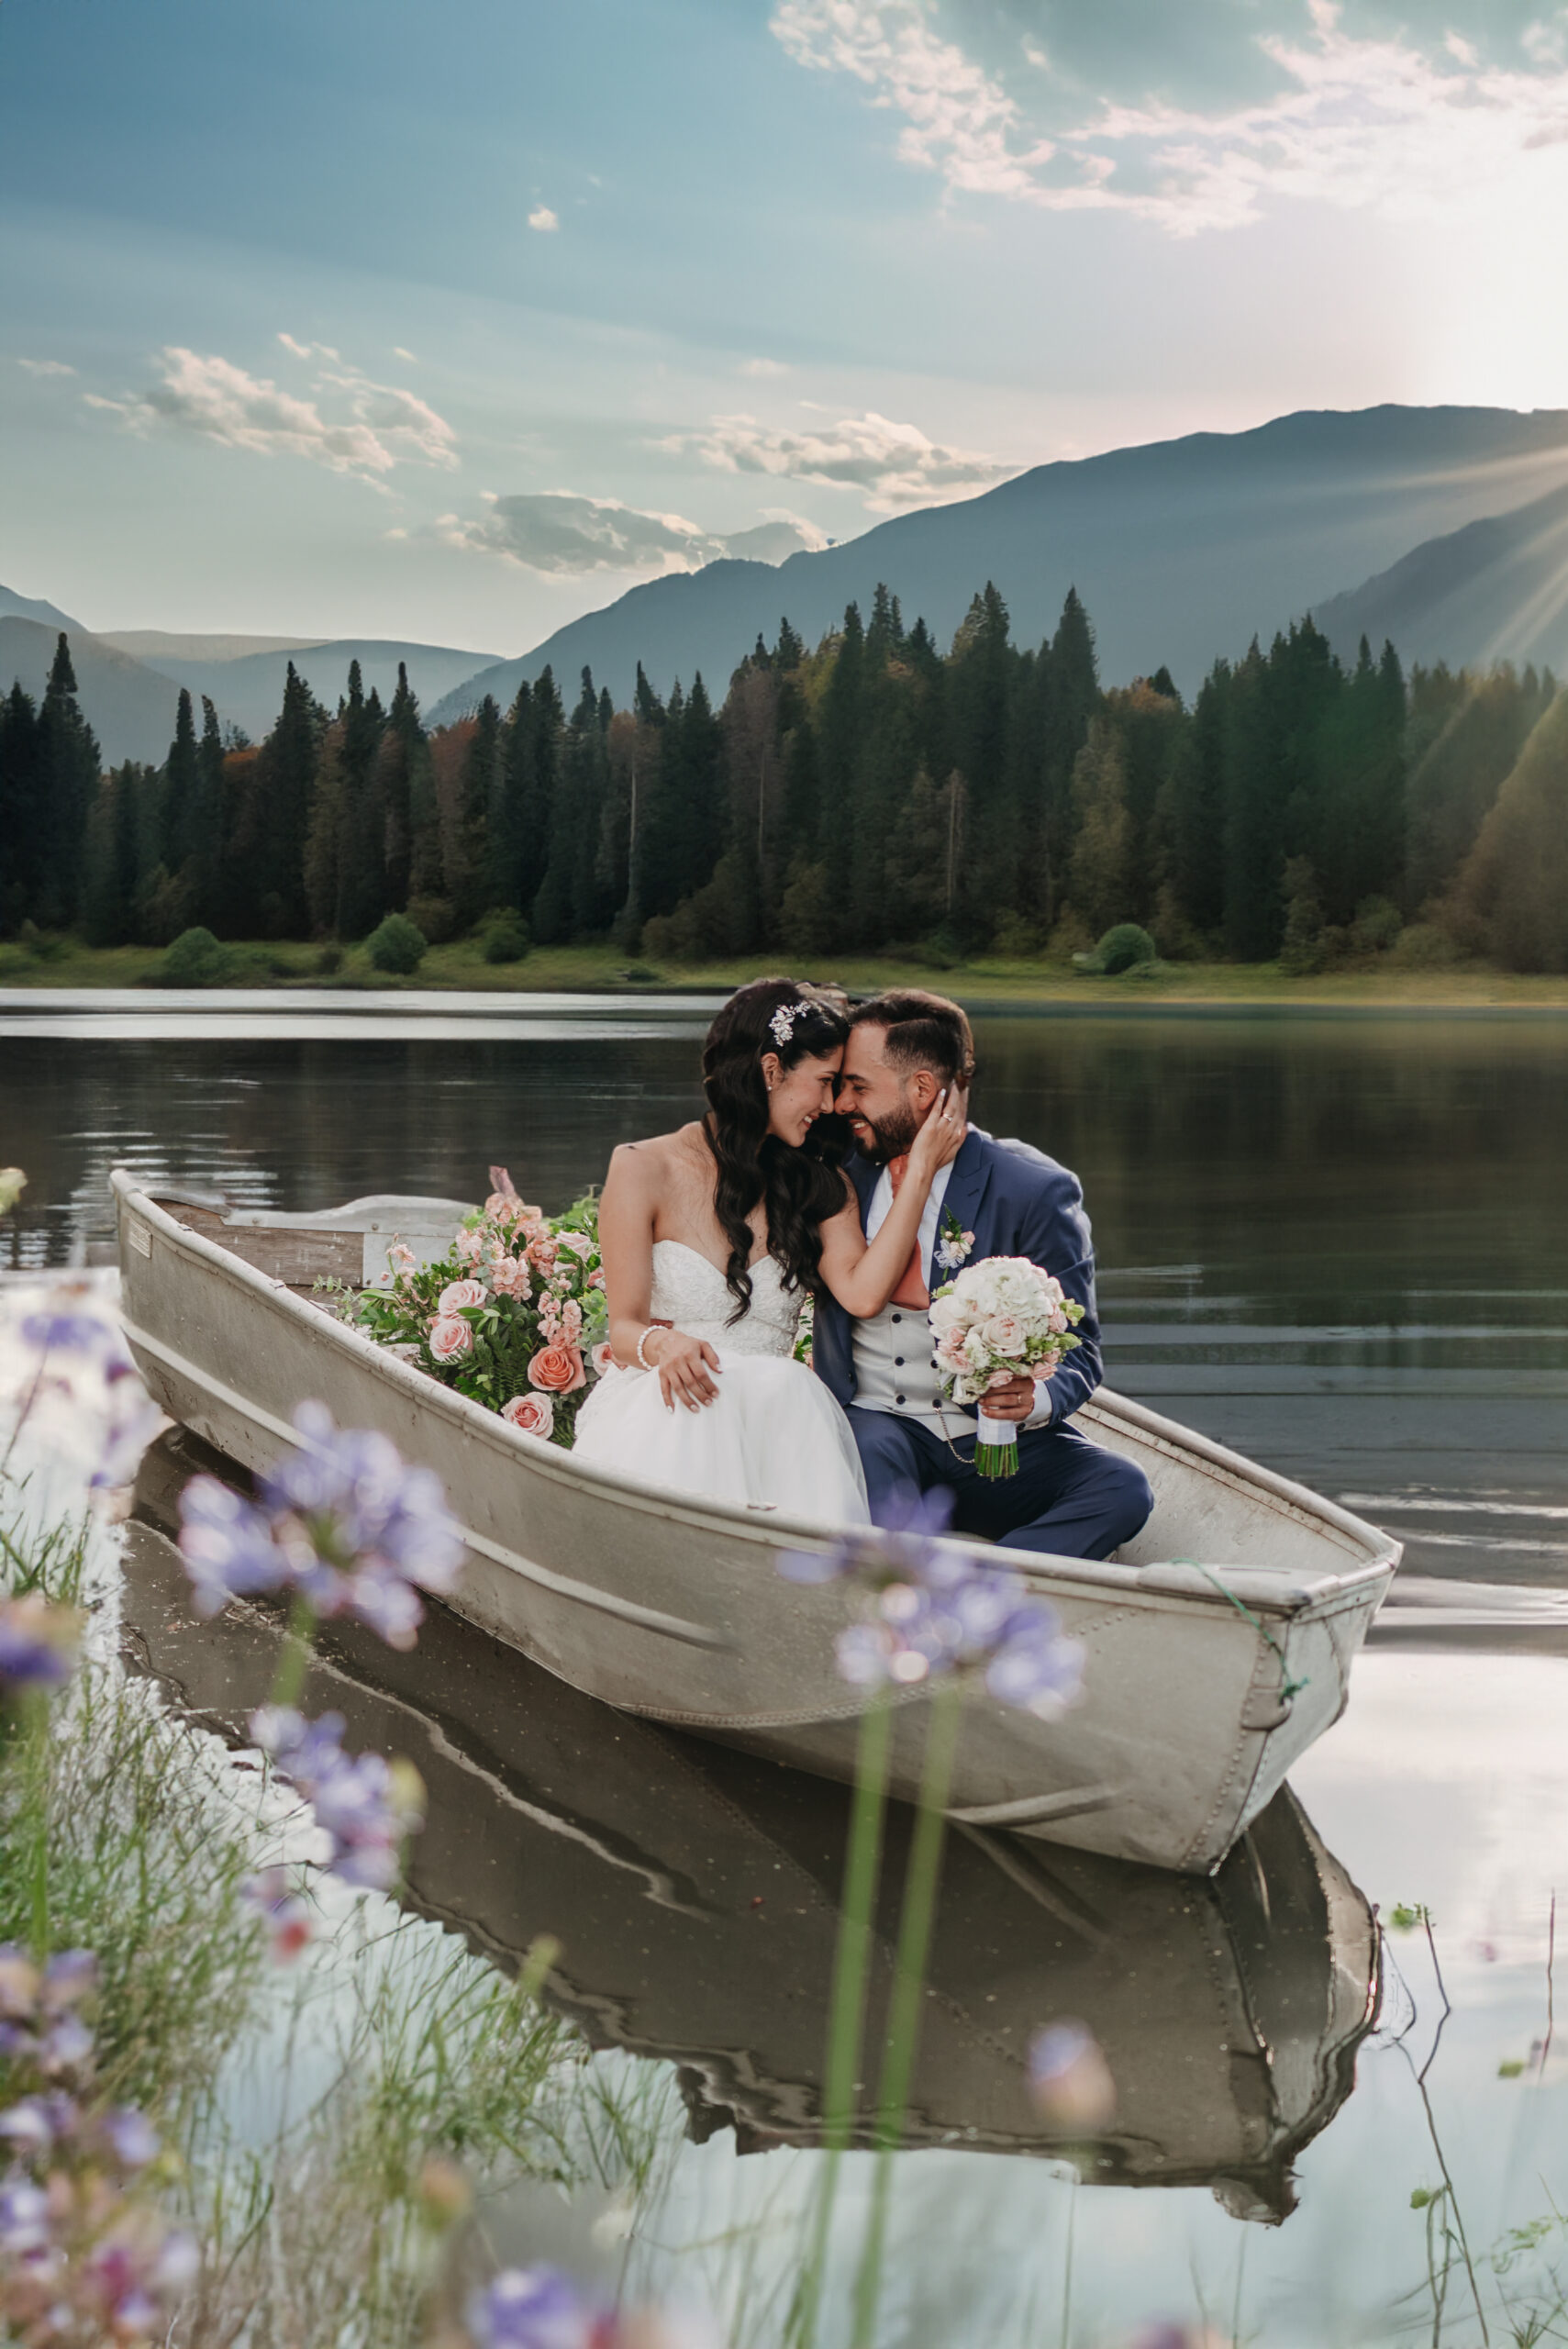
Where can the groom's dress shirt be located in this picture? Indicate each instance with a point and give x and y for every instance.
(894, 1369)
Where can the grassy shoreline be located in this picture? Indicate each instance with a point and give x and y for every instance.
(459, 969)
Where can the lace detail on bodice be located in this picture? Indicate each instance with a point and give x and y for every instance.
(690, 1291)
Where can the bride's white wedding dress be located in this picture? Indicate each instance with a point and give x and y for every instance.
(775, 1438)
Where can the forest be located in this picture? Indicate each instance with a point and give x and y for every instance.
(873, 793)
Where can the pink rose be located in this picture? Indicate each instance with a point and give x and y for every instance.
(558, 1369)
(451, 1338)
(534, 1414)
(595, 1280)
(458, 1294)
(603, 1358)
(1005, 1335)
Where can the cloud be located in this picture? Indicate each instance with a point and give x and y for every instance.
(398, 353)
(378, 426)
(891, 464)
(561, 534)
(1355, 121)
(46, 367)
(542, 218)
(763, 367)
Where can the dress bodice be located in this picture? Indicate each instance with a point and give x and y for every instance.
(690, 1290)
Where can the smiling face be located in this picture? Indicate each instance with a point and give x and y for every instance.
(797, 1096)
(886, 1105)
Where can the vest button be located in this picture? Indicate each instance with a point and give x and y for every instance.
(898, 1398)
(897, 1362)
(898, 1316)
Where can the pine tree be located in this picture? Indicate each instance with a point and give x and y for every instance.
(1068, 696)
(22, 841)
(1100, 874)
(182, 787)
(68, 770)
(396, 758)
(362, 841)
(269, 848)
(468, 866)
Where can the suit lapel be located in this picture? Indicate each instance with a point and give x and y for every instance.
(966, 1189)
(864, 1175)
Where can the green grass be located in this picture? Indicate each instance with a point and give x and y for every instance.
(987, 979)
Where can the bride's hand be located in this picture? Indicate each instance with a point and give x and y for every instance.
(686, 1367)
(942, 1137)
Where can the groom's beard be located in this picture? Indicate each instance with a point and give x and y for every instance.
(891, 1137)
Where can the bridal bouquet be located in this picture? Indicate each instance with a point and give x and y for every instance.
(514, 1315)
(1003, 1318)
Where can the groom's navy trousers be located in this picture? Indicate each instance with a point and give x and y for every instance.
(1069, 1499)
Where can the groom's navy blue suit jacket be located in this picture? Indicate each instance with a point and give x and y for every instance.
(1016, 1202)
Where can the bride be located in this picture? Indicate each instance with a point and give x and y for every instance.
(710, 1238)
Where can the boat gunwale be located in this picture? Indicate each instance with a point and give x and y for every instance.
(1295, 1598)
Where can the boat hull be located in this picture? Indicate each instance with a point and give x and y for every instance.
(1203, 1683)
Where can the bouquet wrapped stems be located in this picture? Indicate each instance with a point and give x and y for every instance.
(996, 1447)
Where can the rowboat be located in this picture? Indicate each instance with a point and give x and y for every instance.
(1217, 1645)
(692, 1893)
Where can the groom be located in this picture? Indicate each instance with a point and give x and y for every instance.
(1069, 1499)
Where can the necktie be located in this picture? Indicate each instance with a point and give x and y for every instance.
(911, 1289)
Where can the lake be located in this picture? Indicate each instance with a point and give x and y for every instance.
(1337, 1242)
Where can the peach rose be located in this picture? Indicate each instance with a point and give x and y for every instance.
(535, 1414)
(603, 1358)
(451, 1338)
(458, 1294)
(557, 1369)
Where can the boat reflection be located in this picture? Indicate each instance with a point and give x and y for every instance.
(693, 1891)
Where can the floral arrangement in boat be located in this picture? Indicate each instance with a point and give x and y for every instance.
(513, 1316)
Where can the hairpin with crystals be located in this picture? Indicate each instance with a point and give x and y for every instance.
(782, 1022)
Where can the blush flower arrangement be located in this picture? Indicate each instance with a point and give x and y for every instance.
(513, 1316)
(996, 1319)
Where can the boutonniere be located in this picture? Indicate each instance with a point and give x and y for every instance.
(954, 1245)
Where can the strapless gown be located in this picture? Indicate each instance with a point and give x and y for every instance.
(774, 1440)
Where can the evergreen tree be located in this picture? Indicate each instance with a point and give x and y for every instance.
(397, 757)
(361, 842)
(22, 842)
(67, 781)
(269, 846)
(469, 865)
(182, 789)
(1067, 696)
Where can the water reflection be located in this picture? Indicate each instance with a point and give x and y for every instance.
(695, 1893)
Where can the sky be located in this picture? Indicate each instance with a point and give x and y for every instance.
(376, 318)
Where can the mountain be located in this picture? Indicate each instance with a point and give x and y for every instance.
(159, 647)
(1181, 550)
(32, 607)
(1495, 590)
(248, 687)
(130, 709)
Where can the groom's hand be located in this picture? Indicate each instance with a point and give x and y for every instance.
(1013, 1401)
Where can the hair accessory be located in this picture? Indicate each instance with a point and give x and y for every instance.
(784, 1019)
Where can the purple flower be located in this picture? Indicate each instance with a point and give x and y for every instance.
(534, 2307)
(29, 2127)
(24, 2218)
(38, 1644)
(342, 1522)
(1069, 2078)
(899, 1550)
(129, 2136)
(369, 1807)
(69, 1334)
(284, 1912)
(68, 1979)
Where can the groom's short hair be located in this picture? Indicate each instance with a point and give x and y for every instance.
(923, 1031)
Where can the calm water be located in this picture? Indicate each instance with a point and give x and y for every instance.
(1340, 1244)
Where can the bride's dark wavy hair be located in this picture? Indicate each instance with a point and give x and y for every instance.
(799, 1189)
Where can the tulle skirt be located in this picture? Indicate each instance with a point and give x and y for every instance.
(774, 1440)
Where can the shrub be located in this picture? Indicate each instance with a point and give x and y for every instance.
(1015, 938)
(436, 917)
(196, 960)
(1376, 925)
(637, 973)
(1070, 938)
(328, 959)
(1425, 946)
(1120, 948)
(504, 938)
(397, 945)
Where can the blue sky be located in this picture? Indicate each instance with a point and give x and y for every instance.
(448, 323)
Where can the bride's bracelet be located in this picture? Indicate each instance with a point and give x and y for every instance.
(642, 1357)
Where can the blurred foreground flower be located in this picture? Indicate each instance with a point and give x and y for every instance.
(368, 1806)
(79, 1389)
(1070, 2081)
(342, 1522)
(283, 1909)
(543, 2308)
(41, 2030)
(931, 1612)
(12, 1182)
(38, 1644)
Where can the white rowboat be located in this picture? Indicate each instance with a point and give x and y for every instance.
(1219, 1645)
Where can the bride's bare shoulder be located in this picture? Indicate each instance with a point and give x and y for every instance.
(658, 1156)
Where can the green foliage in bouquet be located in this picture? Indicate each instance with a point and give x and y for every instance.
(513, 1316)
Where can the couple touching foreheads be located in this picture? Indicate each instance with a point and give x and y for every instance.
(711, 1238)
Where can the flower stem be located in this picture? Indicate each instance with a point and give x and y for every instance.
(293, 1663)
(846, 2012)
(943, 1722)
